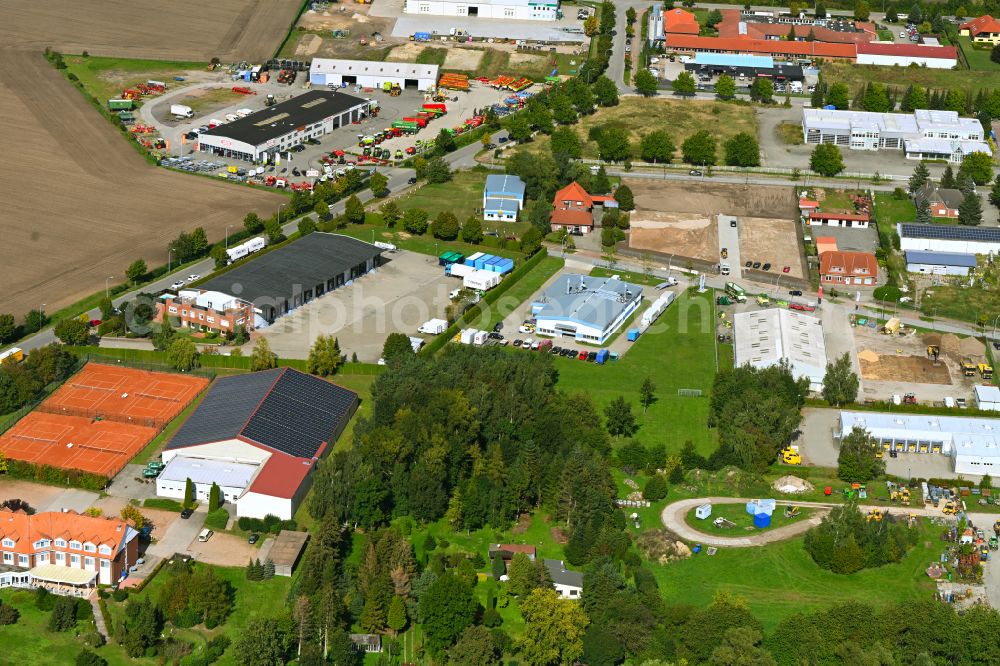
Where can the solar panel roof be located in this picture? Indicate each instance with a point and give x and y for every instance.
(949, 232)
(282, 409)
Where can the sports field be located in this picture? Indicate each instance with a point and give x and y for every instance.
(100, 418)
(120, 393)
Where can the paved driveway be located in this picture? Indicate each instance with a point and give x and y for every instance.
(729, 238)
(179, 535)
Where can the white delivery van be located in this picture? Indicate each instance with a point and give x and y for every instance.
(205, 535)
(724, 269)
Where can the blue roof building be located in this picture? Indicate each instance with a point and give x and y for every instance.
(503, 197)
(939, 263)
(733, 60)
(588, 309)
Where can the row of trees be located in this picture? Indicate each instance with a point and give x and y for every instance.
(22, 382)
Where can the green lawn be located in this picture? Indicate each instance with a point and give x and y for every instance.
(890, 210)
(522, 290)
(963, 302)
(677, 352)
(639, 116)
(781, 579)
(30, 642)
(105, 78)
(978, 59)
(252, 598)
(462, 195)
(744, 521)
(837, 200)
(374, 230)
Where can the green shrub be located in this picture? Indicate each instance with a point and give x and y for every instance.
(217, 520)
(888, 292)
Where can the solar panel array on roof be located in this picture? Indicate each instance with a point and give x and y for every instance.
(282, 409)
(948, 232)
(226, 408)
(299, 414)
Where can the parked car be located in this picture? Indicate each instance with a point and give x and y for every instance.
(518, 342)
(556, 351)
(254, 538)
(582, 356)
(411, 181)
(748, 264)
(794, 292)
(694, 172)
(177, 285)
(732, 222)
(766, 266)
(186, 513)
(756, 264)
(94, 323)
(996, 344)
(498, 327)
(534, 345)
(786, 269)
(527, 343)
(193, 277)
(502, 139)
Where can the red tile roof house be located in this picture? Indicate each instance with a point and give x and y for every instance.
(64, 551)
(258, 436)
(508, 550)
(839, 267)
(985, 30)
(734, 24)
(573, 209)
(847, 220)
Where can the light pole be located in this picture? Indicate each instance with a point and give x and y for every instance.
(170, 255)
(670, 261)
(228, 226)
(995, 326)
(107, 289)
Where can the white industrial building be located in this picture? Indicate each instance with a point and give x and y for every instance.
(588, 309)
(921, 135)
(372, 73)
(258, 436)
(939, 263)
(904, 55)
(973, 443)
(767, 337)
(987, 398)
(264, 134)
(948, 238)
(521, 10)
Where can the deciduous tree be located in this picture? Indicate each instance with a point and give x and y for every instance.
(725, 87)
(840, 384)
(390, 213)
(826, 160)
(397, 344)
(605, 91)
(657, 147)
(378, 183)
(856, 461)
(324, 357)
(472, 231)
(72, 331)
(619, 418)
(136, 271)
(683, 85)
(613, 144)
(447, 608)
(553, 629)
(742, 150)
(978, 167)
(646, 83)
(354, 210)
(183, 354)
(262, 358)
(699, 148)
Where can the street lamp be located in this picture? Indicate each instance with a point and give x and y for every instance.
(670, 261)
(227, 235)
(995, 326)
(170, 253)
(107, 290)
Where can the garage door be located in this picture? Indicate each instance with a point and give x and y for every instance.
(318, 79)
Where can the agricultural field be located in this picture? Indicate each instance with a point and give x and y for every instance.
(856, 76)
(231, 30)
(66, 163)
(678, 352)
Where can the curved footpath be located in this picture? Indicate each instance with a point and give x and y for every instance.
(673, 516)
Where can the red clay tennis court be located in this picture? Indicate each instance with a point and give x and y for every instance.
(75, 442)
(100, 418)
(124, 394)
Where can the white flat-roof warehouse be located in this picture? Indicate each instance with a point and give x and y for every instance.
(768, 337)
(948, 238)
(589, 309)
(336, 72)
(260, 135)
(972, 442)
(525, 10)
(924, 134)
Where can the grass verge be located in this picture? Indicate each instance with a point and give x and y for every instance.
(105, 78)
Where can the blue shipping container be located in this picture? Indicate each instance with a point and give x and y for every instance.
(761, 520)
(471, 259)
(506, 266)
(633, 334)
(602, 356)
(494, 264)
(481, 261)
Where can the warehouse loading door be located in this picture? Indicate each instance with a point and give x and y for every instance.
(411, 84)
(473, 11)
(349, 80)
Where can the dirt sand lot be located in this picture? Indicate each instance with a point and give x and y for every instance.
(709, 198)
(465, 59)
(406, 52)
(37, 495)
(904, 358)
(686, 235)
(773, 241)
(231, 30)
(353, 17)
(81, 204)
(224, 550)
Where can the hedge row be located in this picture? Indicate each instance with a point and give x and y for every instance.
(56, 476)
(489, 298)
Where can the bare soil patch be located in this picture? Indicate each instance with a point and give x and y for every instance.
(207, 100)
(103, 204)
(773, 241)
(231, 30)
(463, 59)
(406, 52)
(686, 235)
(909, 369)
(525, 58)
(709, 198)
(224, 550)
(309, 45)
(354, 18)
(37, 495)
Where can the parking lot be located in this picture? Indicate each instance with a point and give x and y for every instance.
(397, 298)
(818, 447)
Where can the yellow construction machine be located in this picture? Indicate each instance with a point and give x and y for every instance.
(986, 371)
(949, 508)
(790, 455)
(875, 515)
(968, 367)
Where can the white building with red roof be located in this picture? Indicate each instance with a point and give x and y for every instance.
(64, 549)
(259, 437)
(982, 30)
